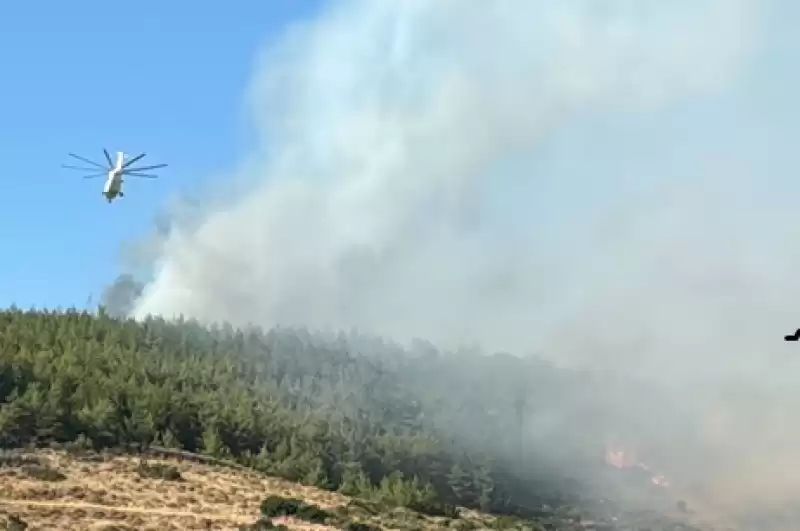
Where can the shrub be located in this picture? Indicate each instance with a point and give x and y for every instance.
(43, 473)
(159, 471)
(13, 523)
(279, 506)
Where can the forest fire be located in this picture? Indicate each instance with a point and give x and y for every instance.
(623, 459)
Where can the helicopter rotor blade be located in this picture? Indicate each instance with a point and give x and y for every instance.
(142, 175)
(77, 168)
(108, 158)
(143, 168)
(134, 159)
(86, 160)
(94, 175)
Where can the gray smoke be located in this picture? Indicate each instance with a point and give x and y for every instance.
(608, 182)
(119, 297)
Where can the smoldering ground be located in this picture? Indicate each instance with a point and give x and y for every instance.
(609, 183)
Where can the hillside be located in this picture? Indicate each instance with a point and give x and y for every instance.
(422, 430)
(115, 491)
(64, 491)
(59, 491)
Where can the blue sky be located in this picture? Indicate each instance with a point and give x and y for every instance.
(167, 78)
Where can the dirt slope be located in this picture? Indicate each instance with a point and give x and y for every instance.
(54, 490)
(110, 493)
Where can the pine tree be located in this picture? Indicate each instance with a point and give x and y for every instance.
(212, 445)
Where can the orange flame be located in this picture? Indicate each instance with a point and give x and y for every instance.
(619, 458)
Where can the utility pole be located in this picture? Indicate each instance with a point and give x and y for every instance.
(520, 406)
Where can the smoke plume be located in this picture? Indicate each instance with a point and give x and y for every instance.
(608, 182)
(119, 297)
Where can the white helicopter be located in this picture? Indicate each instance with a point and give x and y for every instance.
(114, 172)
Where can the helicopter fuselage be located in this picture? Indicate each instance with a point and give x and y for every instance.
(113, 186)
(115, 172)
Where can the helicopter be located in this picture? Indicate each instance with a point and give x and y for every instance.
(114, 172)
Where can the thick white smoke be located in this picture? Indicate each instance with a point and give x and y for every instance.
(606, 182)
(399, 138)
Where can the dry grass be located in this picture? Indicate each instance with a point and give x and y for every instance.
(54, 490)
(111, 494)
